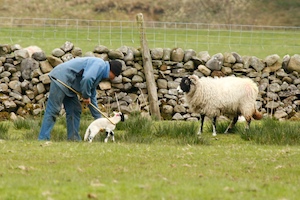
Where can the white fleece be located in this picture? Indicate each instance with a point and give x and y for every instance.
(229, 96)
(102, 124)
(222, 96)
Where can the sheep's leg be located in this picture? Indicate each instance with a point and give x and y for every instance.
(231, 125)
(248, 123)
(214, 126)
(107, 136)
(201, 125)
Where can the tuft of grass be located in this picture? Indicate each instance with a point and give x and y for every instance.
(272, 132)
(182, 132)
(137, 129)
(4, 130)
(61, 120)
(140, 129)
(222, 125)
(26, 129)
(59, 133)
(22, 124)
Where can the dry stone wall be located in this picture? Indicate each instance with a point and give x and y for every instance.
(24, 83)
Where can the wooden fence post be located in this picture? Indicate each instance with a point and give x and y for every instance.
(148, 69)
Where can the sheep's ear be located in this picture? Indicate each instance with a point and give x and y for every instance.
(194, 78)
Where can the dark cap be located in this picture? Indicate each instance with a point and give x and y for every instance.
(115, 67)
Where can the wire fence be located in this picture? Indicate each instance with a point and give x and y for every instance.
(245, 39)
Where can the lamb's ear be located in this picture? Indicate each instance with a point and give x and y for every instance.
(122, 117)
(194, 79)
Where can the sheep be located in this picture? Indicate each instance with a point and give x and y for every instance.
(229, 96)
(102, 124)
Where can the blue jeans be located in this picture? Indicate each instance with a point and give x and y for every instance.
(73, 111)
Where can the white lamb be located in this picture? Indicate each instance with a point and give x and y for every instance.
(102, 124)
(228, 96)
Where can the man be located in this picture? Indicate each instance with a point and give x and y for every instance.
(83, 75)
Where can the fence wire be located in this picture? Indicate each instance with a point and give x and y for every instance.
(197, 36)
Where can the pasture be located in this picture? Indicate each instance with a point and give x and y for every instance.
(150, 160)
(247, 40)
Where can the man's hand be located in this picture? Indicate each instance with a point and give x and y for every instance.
(86, 101)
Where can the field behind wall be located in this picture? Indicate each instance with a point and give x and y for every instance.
(246, 40)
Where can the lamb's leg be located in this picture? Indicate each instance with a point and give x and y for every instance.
(231, 125)
(107, 136)
(87, 135)
(90, 138)
(112, 136)
(214, 121)
(201, 125)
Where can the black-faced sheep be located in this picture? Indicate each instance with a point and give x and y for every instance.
(228, 96)
(102, 124)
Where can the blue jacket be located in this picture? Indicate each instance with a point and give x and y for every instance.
(83, 75)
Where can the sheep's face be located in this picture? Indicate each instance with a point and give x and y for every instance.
(185, 85)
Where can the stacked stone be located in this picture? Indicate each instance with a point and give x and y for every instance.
(24, 81)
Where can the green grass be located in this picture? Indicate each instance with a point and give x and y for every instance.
(259, 43)
(148, 161)
(229, 168)
(4, 130)
(281, 133)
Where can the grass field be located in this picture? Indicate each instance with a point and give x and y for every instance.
(146, 164)
(259, 43)
(229, 168)
(150, 160)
